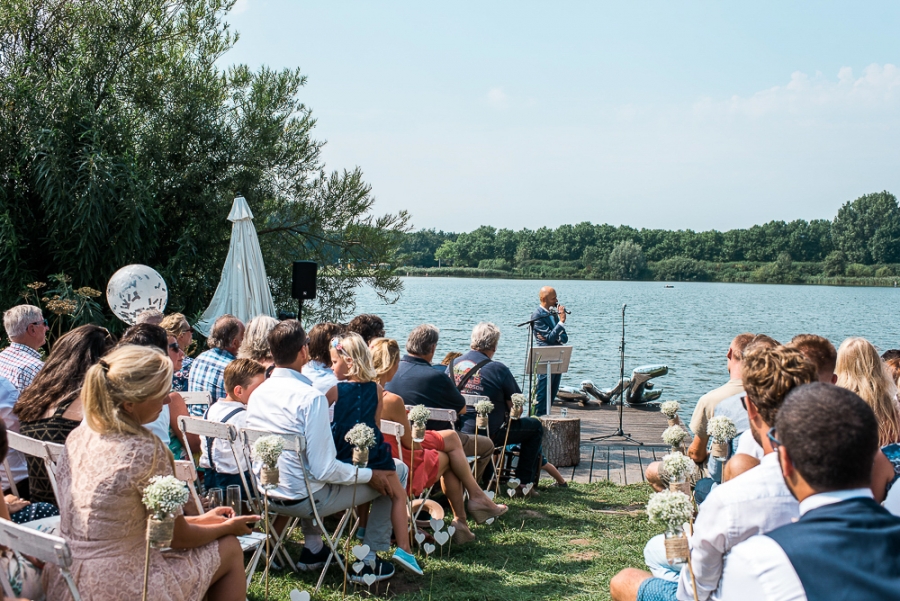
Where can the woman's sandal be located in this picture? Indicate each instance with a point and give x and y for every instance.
(482, 515)
(462, 535)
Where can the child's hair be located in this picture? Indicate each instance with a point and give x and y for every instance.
(385, 354)
(353, 347)
(240, 372)
(450, 357)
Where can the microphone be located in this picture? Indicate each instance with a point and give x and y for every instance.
(555, 311)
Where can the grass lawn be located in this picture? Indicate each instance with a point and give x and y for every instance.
(565, 544)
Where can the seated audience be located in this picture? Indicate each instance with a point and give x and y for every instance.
(703, 412)
(861, 370)
(845, 545)
(27, 330)
(153, 317)
(51, 407)
(450, 358)
(893, 366)
(208, 369)
(106, 464)
(287, 403)
(318, 368)
(357, 399)
(477, 373)
(177, 325)
(439, 455)
(757, 501)
(368, 326)
(256, 344)
(242, 377)
(418, 383)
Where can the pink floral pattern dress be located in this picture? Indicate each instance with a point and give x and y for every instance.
(101, 479)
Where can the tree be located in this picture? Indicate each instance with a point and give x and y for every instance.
(626, 261)
(835, 263)
(867, 230)
(122, 141)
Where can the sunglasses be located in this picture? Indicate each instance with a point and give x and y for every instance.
(174, 346)
(38, 323)
(744, 402)
(771, 436)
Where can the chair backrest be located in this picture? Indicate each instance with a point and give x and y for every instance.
(45, 547)
(27, 445)
(292, 442)
(54, 450)
(202, 397)
(471, 399)
(202, 427)
(49, 452)
(392, 428)
(184, 471)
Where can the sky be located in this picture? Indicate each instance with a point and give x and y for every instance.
(677, 115)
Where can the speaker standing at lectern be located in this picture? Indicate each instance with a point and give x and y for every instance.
(549, 330)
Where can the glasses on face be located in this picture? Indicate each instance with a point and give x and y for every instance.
(771, 436)
(744, 402)
(40, 323)
(174, 346)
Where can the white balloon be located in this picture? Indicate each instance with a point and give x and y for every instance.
(134, 289)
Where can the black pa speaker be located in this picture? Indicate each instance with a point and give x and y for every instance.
(304, 283)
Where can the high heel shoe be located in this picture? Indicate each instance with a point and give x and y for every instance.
(462, 535)
(482, 515)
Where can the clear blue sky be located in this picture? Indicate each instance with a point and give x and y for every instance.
(654, 114)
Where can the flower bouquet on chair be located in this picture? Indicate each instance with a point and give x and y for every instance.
(679, 468)
(721, 432)
(670, 410)
(162, 496)
(362, 437)
(418, 417)
(518, 405)
(267, 450)
(674, 436)
(482, 411)
(672, 510)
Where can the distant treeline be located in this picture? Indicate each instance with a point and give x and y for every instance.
(861, 243)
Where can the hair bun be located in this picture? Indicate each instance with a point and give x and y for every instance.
(103, 365)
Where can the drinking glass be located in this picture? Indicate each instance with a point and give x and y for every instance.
(214, 496)
(233, 498)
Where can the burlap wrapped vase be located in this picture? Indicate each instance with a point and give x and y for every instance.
(160, 531)
(360, 457)
(268, 476)
(418, 432)
(719, 450)
(516, 412)
(481, 421)
(677, 548)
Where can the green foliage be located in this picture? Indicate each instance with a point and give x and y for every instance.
(868, 229)
(122, 141)
(679, 269)
(835, 263)
(501, 264)
(626, 261)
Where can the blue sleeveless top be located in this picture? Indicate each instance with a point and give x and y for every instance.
(356, 404)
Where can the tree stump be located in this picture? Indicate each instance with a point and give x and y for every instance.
(562, 440)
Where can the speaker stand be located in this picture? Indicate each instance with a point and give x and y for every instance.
(300, 311)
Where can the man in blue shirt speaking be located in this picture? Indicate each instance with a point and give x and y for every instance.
(549, 330)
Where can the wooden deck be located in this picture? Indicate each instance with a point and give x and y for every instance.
(615, 459)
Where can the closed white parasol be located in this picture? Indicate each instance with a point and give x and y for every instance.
(244, 288)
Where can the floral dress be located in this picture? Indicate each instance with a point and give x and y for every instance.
(101, 480)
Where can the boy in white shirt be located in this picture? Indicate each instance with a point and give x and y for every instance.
(242, 376)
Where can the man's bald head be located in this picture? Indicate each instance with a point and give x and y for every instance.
(547, 296)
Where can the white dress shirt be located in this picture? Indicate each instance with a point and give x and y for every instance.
(748, 445)
(759, 570)
(287, 403)
(755, 502)
(160, 426)
(9, 394)
(223, 457)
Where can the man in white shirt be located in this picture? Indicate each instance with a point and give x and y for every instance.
(757, 501)
(287, 403)
(845, 545)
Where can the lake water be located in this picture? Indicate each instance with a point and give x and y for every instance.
(688, 327)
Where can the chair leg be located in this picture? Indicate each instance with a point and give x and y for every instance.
(331, 542)
(254, 561)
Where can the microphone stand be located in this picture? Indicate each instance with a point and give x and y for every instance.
(529, 348)
(620, 433)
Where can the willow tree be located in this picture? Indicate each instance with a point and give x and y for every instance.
(122, 141)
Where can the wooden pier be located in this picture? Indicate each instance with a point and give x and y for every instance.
(615, 459)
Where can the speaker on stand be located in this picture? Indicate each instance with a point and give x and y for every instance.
(303, 285)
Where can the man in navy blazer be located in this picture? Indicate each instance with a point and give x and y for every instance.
(845, 545)
(549, 330)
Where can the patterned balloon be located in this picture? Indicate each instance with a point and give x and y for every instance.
(134, 289)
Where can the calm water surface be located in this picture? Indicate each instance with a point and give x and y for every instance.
(687, 327)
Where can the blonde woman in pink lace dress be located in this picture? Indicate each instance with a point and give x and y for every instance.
(107, 462)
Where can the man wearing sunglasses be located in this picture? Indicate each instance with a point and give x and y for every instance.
(845, 545)
(755, 502)
(27, 330)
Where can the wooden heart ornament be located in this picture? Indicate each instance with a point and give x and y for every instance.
(299, 595)
(360, 551)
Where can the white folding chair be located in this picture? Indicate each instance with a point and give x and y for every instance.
(389, 428)
(44, 547)
(197, 402)
(471, 401)
(296, 443)
(228, 433)
(184, 471)
(48, 452)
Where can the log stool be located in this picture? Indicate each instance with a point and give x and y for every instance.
(562, 440)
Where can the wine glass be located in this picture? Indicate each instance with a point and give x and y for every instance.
(214, 498)
(233, 498)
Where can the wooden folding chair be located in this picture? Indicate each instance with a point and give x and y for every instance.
(228, 433)
(44, 547)
(197, 403)
(296, 443)
(184, 471)
(48, 452)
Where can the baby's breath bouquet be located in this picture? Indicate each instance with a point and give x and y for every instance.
(670, 410)
(162, 496)
(482, 410)
(671, 510)
(678, 467)
(674, 436)
(518, 404)
(721, 431)
(362, 437)
(267, 449)
(418, 416)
